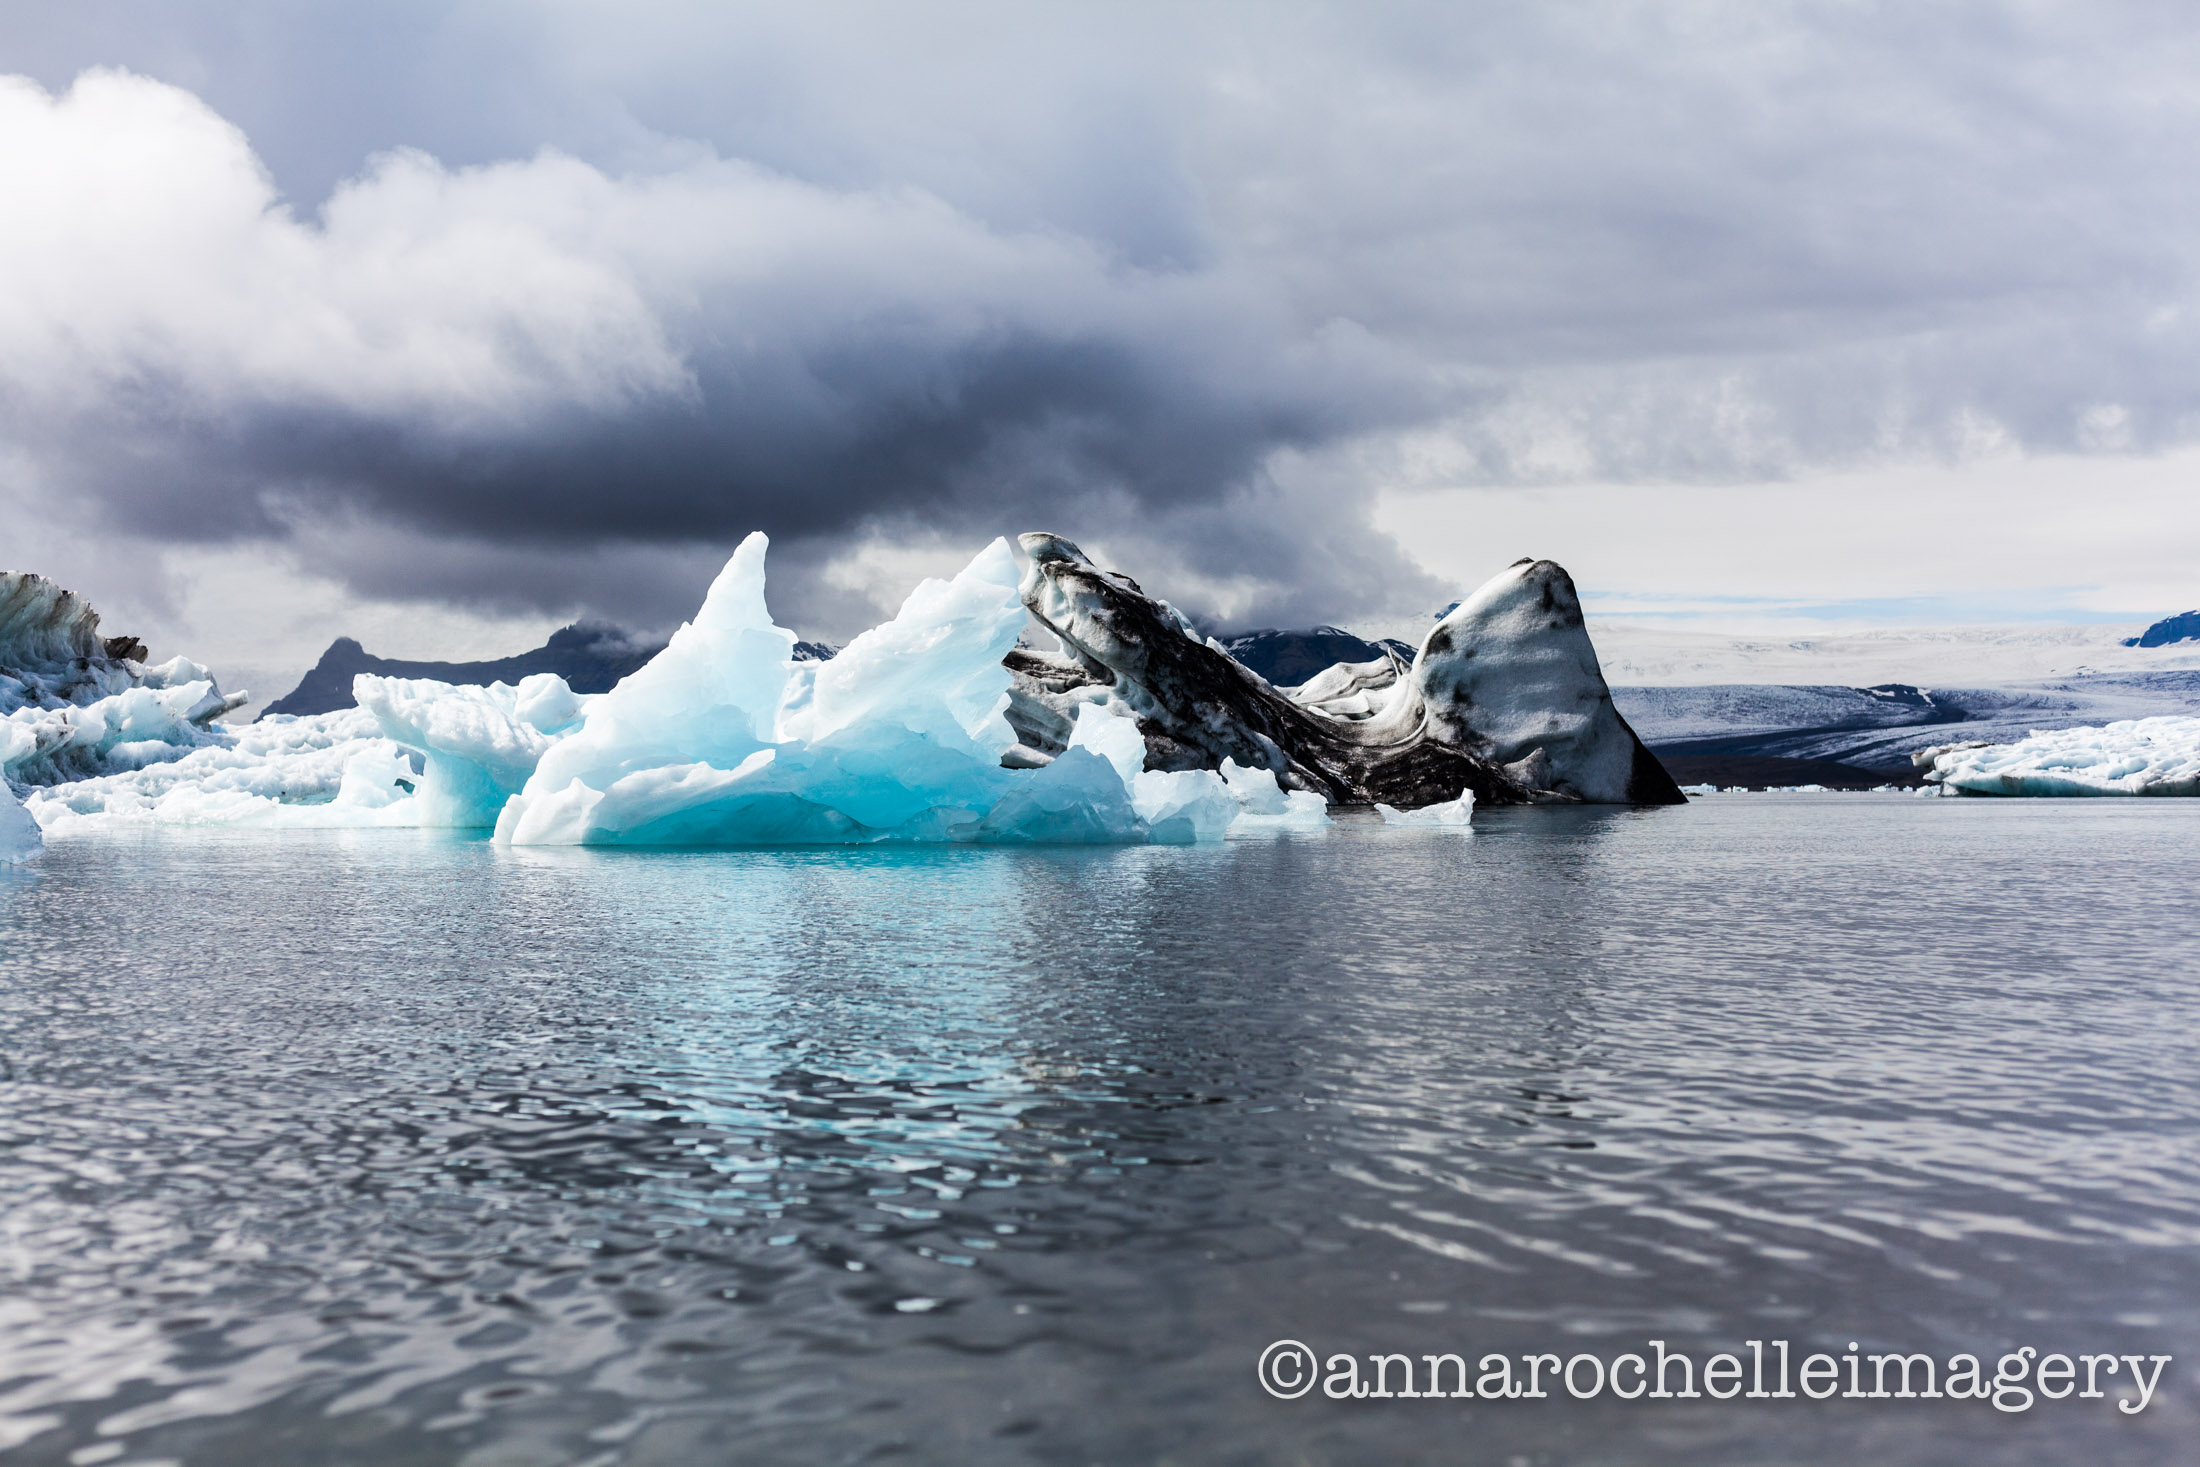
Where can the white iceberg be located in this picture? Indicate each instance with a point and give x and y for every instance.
(413, 753)
(1451, 815)
(478, 745)
(157, 720)
(2144, 756)
(20, 838)
(1264, 804)
(1180, 807)
(332, 769)
(723, 739)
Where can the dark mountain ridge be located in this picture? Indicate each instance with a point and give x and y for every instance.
(2181, 628)
(590, 656)
(1289, 657)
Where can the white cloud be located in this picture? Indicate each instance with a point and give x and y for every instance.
(445, 302)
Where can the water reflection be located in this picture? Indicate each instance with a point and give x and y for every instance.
(400, 1148)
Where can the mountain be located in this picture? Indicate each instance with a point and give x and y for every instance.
(1288, 658)
(590, 656)
(2185, 628)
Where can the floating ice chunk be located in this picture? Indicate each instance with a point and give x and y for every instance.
(1179, 807)
(127, 730)
(1511, 671)
(724, 739)
(51, 652)
(1265, 805)
(1451, 815)
(1113, 736)
(480, 745)
(1699, 789)
(375, 778)
(278, 772)
(1078, 799)
(2145, 756)
(19, 834)
(1184, 806)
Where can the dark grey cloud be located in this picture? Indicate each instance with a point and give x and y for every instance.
(1177, 281)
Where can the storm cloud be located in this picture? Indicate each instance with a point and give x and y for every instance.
(544, 306)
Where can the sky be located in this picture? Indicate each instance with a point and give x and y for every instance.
(441, 324)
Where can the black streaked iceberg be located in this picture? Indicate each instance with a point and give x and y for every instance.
(1504, 698)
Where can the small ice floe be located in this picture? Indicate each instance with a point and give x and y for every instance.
(1451, 815)
(1264, 804)
(2141, 756)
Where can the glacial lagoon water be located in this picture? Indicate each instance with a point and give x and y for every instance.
(389, 1147)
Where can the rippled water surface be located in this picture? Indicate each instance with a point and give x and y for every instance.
(391, 1148)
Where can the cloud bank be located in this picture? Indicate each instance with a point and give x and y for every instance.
(537, 354)
(538, 308)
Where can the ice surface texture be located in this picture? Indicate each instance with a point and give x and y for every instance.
(74, 705)
(19, 834)
(2146, 756)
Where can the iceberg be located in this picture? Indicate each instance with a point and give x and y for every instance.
(2143, 756)
(1455, 815)
(724, 738)
(53, 658)
(477, 745)
(51, 652)
(412, 753)
(1511, 674)
(163, 717)
(331, 770)
(20, 837)
(75, 705)
(1504, 697)
(936, 726)
(1180, 807)
(1264, 804)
